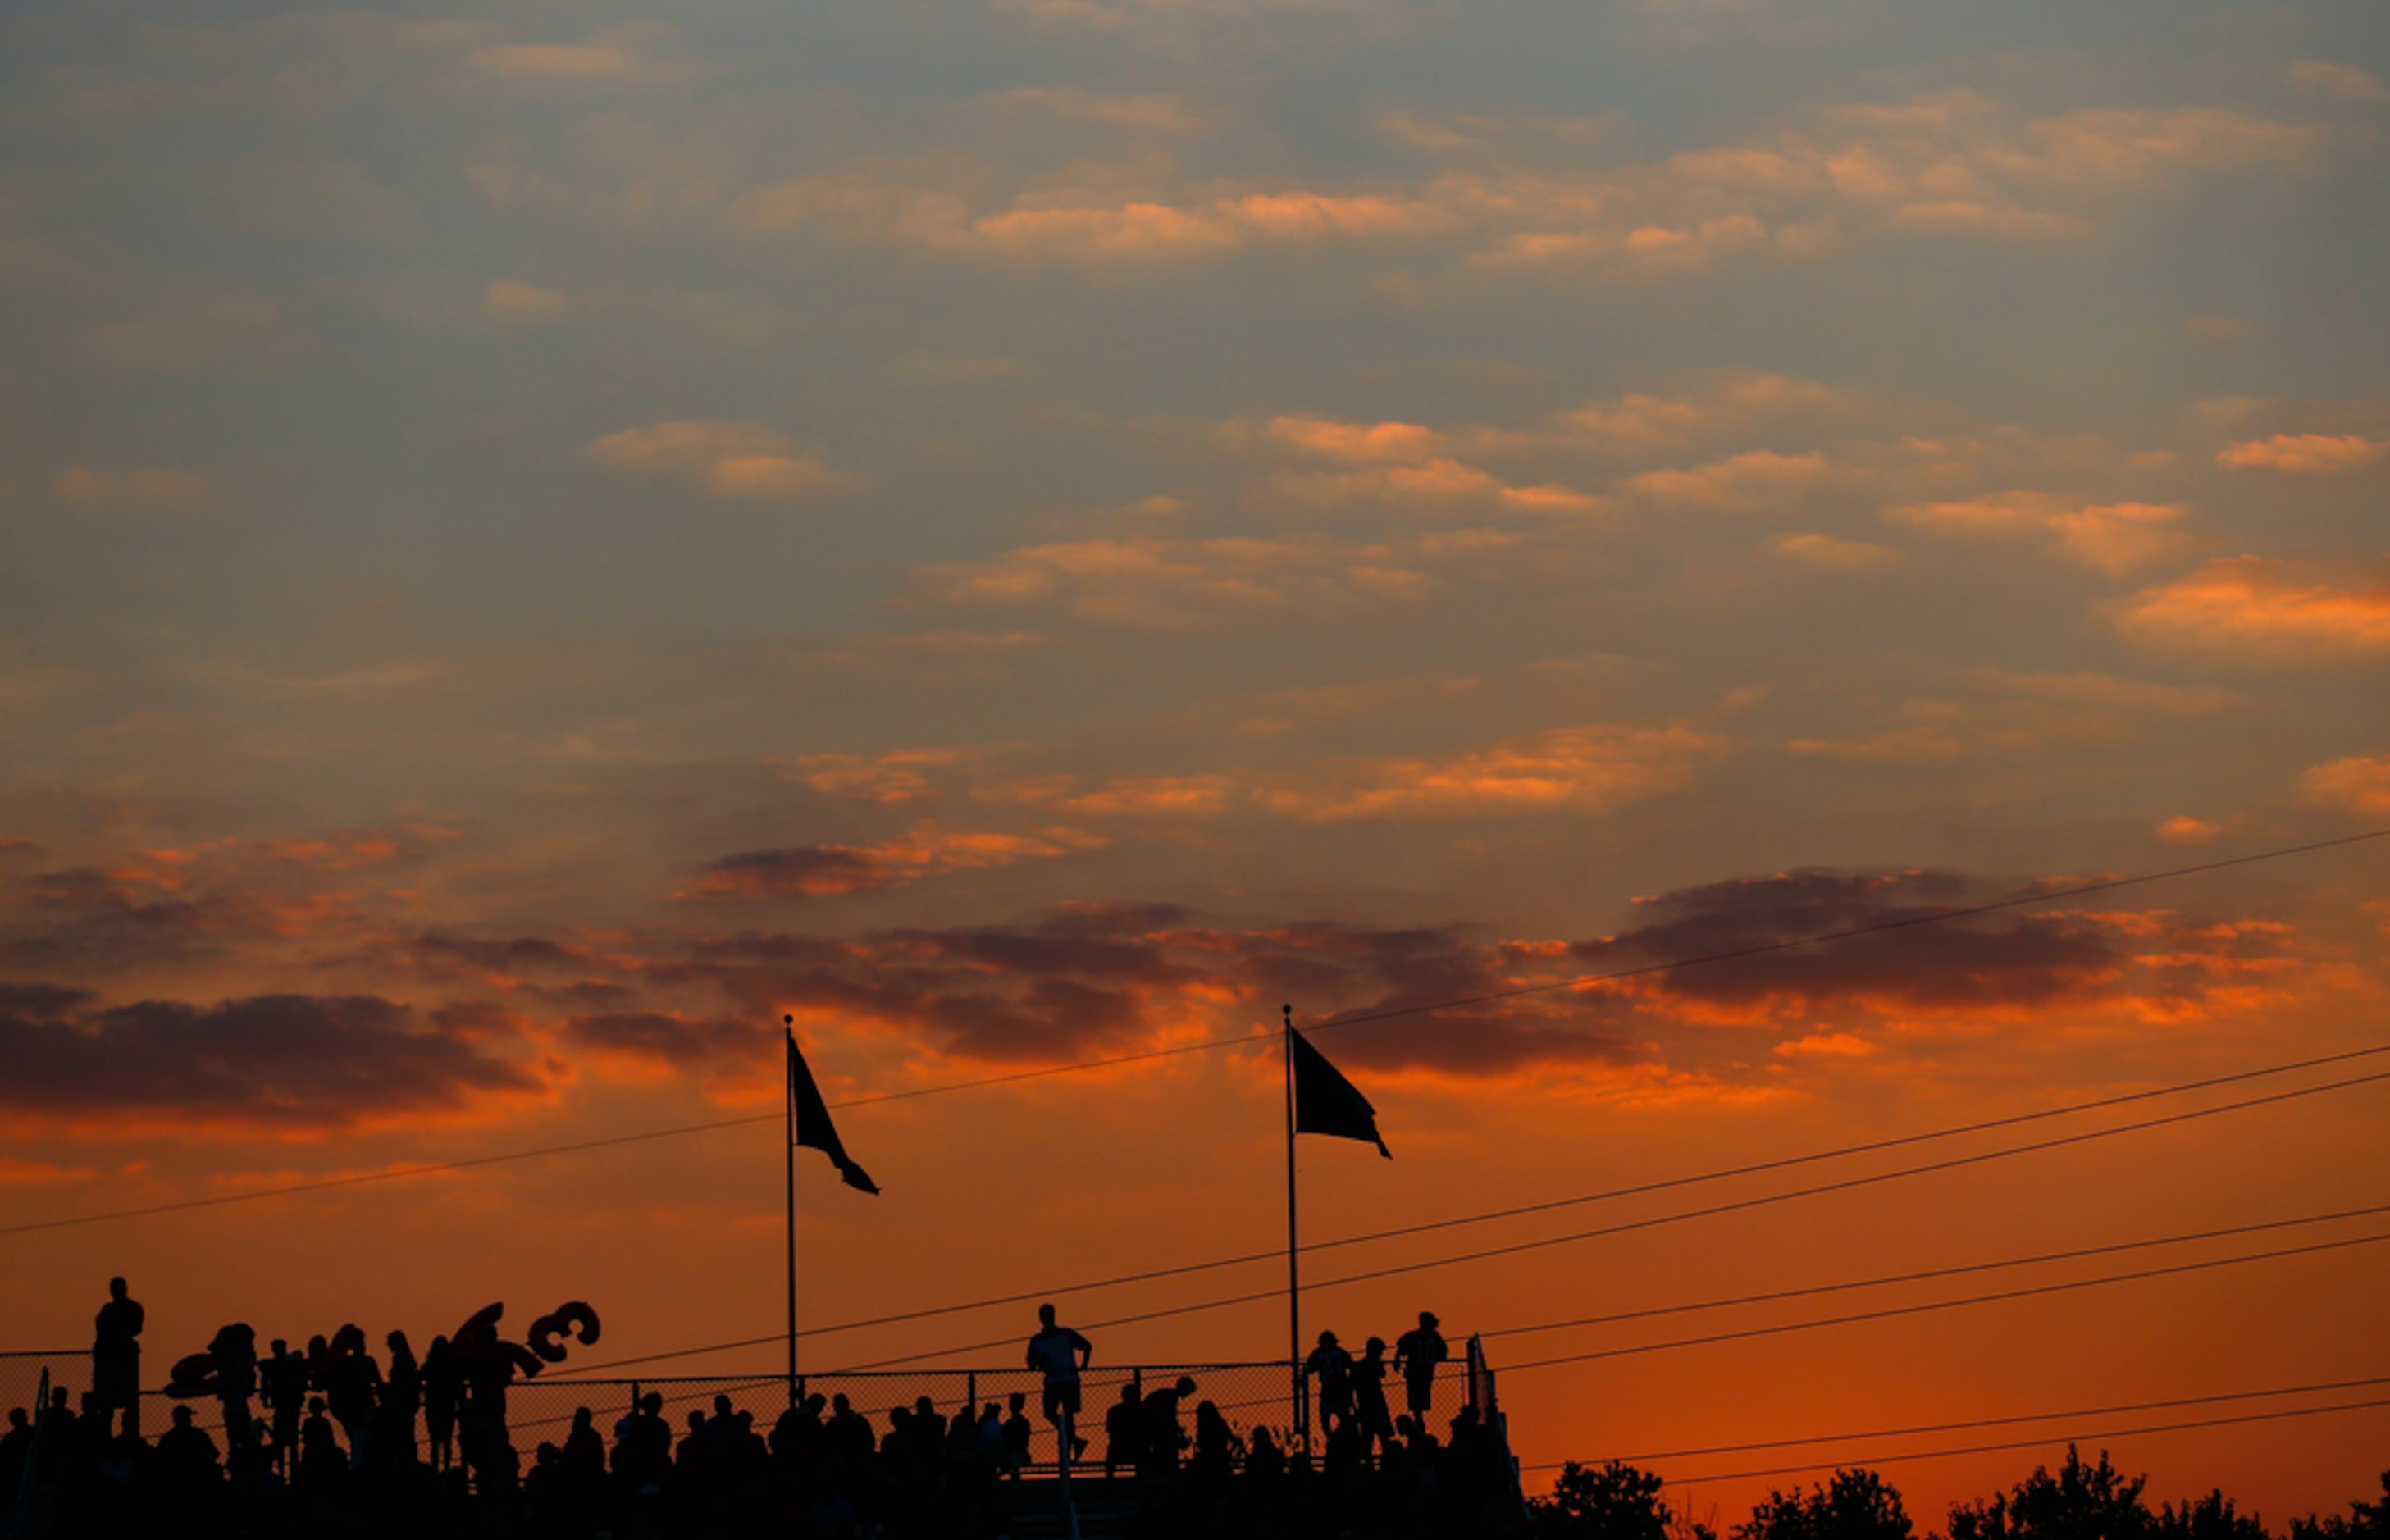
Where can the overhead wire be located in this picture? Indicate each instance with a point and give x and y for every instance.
(1681, 1216)
(1868, 1461)
(1919, 1429)
(1933, 916)
(1888, 1280)
(1931, 1306)
(1773, 1296)
(1606, 1195)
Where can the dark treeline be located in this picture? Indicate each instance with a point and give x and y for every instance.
(2075, 1502)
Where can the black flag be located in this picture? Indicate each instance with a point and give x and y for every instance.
(814, 1131)
(1325, 1102)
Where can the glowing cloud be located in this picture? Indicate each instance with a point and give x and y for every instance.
(2303, 454)
(2247, 606)
(726, 459)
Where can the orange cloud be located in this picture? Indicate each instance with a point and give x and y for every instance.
(1648, 421)
(1583, 768)
(1358, 442)
(2357, 784)
(2112, 537)
(1755, 480)
(2246, 606)
(726, 459)
(1153, 581)
(2303, 454)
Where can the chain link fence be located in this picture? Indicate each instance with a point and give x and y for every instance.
(20, 1377)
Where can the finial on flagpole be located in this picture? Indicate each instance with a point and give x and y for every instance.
(1288, 1012)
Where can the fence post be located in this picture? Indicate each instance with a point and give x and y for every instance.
(18, 1523)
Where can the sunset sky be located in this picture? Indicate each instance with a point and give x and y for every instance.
(537, 538)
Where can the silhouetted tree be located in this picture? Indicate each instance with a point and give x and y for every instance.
(2082, 1502)
(1616, 1502)
(2208, 1517)
(2365, 1520)
(1856, 1504)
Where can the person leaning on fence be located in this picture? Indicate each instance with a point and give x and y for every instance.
(116, 1356)
(1332, 1367)
(1164, 1436)
(1061, 1353)
(1417, 1355)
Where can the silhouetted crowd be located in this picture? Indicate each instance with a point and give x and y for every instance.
(329, 1439)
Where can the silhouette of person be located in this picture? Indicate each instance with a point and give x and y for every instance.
(1016, 1432)
(693, 1461)
(583, 1453)
(643, 1445)
(1370, 1411)
(283, 1381)
(1332, 1367)
(851, 1441)
(234, 1349)
(1061, 1353)
(1417, 1356)
(14, 1445)
(401, 1396)
(1124, 1431)
(1216, 1445)
(1264, 1462)
(352, 1382)
(1164, 1437)
(186, 1456)
(116, 1356)
(320, 1460)
(443, 1386)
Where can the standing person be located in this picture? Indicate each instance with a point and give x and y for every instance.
(283, 1380)
(116, 1356)
(1332, 1367)
(1124, 1430)
(1061, 1353)
(443, 1385)
(352, 1382)
(401, 1396)
(1417, 1355)
(1377, 1424)
(234, 1348)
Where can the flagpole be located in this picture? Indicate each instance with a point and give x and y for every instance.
(1293, 1280)
(788, 1126)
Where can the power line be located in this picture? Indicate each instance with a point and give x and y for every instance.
(395, 1174)
(2185, 1238)
(1635, 1190)
(1871, 1460)
(1678, 1216)
(1706, 959)
(2010, 1421)
(1931, 1306)
(1928, 1275)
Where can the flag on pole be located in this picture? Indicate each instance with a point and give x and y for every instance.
(814, 1131)
(1325, 1102)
